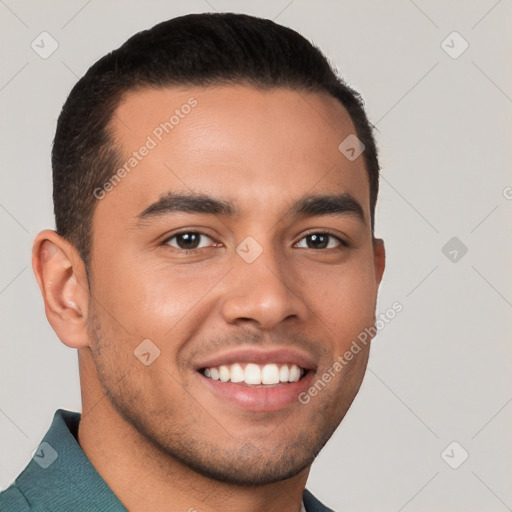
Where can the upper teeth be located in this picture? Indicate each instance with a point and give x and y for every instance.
(255, 374)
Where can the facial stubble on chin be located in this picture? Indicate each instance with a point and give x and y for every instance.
(185, 440)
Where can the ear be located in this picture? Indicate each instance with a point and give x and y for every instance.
(60, 273)
(379, 258)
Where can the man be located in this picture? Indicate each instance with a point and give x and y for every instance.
(214, 259)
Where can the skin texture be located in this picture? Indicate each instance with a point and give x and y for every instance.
(157, 435)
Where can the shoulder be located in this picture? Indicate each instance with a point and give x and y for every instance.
(13, 500)
(59, 476)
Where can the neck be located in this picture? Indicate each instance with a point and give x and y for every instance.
(145, 478)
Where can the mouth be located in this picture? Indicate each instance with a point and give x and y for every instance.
(255, 375)
(256, 380)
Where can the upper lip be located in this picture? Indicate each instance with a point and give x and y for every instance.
(278, 355)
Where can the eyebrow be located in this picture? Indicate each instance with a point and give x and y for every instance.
(339, 204)
(310, 205)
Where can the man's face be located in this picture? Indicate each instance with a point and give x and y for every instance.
(256, 277)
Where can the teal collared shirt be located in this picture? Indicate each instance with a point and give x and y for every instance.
(60, 478)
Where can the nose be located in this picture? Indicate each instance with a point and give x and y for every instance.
(263, 292)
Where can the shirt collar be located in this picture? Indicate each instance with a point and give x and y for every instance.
(60, 475)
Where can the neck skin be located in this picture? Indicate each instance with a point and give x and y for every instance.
(143, 478)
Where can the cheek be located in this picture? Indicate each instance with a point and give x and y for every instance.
(344, 299)
(151, 300)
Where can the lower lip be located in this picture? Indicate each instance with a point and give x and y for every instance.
(259, 399)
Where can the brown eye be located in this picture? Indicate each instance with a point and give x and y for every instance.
(320, 241)
(189, 240)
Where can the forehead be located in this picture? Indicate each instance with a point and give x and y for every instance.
(221, 110)
(234, 142)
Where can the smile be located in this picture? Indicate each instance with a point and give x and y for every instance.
(253, 374)
(257, 379)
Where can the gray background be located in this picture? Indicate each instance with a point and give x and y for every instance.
(440, 371)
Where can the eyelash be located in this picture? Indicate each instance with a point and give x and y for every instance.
(343, 243)
(190, 232)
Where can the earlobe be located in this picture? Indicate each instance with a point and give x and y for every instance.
(60, 273)
(379, 256)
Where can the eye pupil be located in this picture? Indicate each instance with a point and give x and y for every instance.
(318, 241)
(188, 240)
